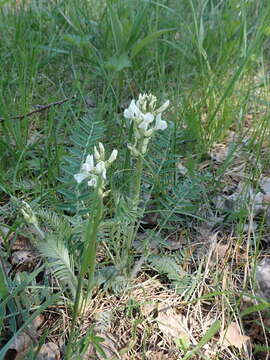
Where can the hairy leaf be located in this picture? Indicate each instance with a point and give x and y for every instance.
(60, 261)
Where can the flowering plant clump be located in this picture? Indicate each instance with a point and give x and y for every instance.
(146, 120)
(94, 172)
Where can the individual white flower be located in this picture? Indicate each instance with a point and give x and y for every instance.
(101, 151)
(142, 102)
(89, 163)
(152, 102)
(96, 153)
(132, 111)
(86, 168)
(100, 169)
(147, 119)
(81, 176)
(160, 124)
(93, 181)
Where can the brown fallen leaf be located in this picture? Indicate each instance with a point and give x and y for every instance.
(219, 152)
(49, 351)
(233, 337)
(147, 308)
(157, 355)
(23, 258)
(21, 342)
(172, 324)
(22, 243)
(109, 345)
(221, 250)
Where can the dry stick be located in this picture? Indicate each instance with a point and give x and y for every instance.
(41, 108)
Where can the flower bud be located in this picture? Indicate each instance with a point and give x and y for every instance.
(133, 150)
(113, 156)
(97, 154)
(28, 214)
(162, 107)
(101, 151)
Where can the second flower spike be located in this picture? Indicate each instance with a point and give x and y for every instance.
(146, 120)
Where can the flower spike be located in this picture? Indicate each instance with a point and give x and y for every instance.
(93, 172)
(143, 113)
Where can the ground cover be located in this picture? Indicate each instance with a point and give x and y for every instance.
(157, 246)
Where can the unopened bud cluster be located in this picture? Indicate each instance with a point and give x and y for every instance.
(146, 120)
(28, 214)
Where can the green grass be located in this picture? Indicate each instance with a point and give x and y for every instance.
(211, 60)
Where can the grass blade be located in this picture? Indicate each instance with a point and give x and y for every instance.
(141, 44)
(46, 304)
(207, 336)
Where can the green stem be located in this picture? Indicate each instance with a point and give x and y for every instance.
(136, 188)
(89, 260)
(135, 196)
(39, 232)
(88, 266)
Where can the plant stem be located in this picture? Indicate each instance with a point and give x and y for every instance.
(136, 188)
(88, 266)
(135, 196)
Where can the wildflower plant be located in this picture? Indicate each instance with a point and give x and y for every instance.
(96, 176)
(146, 121)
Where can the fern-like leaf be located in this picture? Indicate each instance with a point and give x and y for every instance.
(171, 267)
(54, 223)
(60, 261)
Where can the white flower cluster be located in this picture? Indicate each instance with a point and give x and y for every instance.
(147, 120)
(93, 172)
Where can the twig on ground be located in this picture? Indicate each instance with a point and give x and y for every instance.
(41, 108)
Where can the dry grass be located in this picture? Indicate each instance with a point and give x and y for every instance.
(144, 320)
